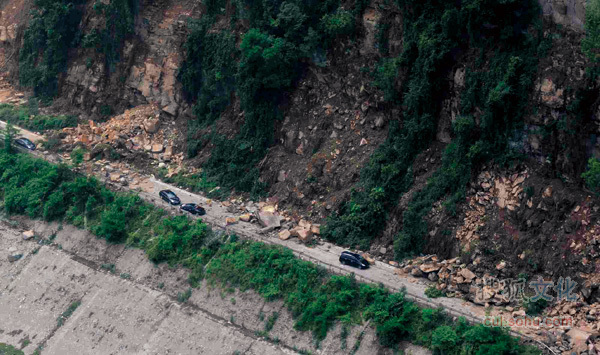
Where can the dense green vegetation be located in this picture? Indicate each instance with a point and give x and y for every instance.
(38, 189)
(281, 35)
(317, 300)
(27, 118)
(498, 81)
(52, 31)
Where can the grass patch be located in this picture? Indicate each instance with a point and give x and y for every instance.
(432, 292)
(66, 314)
(6, 349)
(184, 296)
(109, 267)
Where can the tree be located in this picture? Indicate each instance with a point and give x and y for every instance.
(9, 133)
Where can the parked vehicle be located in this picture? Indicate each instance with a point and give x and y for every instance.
(169, 197)
(193, 209)
(353, 259)
(25, 143)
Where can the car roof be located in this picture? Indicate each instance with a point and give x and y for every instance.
(351, 253)
(168, 192)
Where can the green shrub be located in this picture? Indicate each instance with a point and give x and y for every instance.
(6, 349)
(184, 296)
(592, 175)
(177, 239)
(386, 78)
(208, 72)
(535, 308)
(119, 18)
(77, 156)
(590, 44)
(444, 339)
(281, 35)
(9, 132)
(340, 23)
(66, 314)
(271, 321)
(433, 292)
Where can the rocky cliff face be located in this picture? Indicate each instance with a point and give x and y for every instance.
(569, 13)
(147, 72)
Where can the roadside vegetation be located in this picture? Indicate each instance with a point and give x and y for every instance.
(28, 118)
(318, 300)
(38, 189)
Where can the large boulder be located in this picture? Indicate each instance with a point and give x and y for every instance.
(151, 125)
(285, 234)
(579, 339)
(28, 235)
(269, 219)
(467, 274)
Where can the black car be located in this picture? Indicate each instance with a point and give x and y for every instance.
(170, 197)
(353, 259)
(25, 143)
(193, 209)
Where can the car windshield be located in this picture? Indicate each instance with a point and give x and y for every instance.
(170, 194)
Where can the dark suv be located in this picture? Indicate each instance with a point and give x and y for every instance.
(193, 209)
(353, 259)
(169, 197)
(25, 143)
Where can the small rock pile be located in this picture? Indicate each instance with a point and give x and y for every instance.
(490, 189)
(137, 129)
(304, 231)
(456, 279)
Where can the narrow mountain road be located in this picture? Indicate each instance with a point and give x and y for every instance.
(325, 254)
